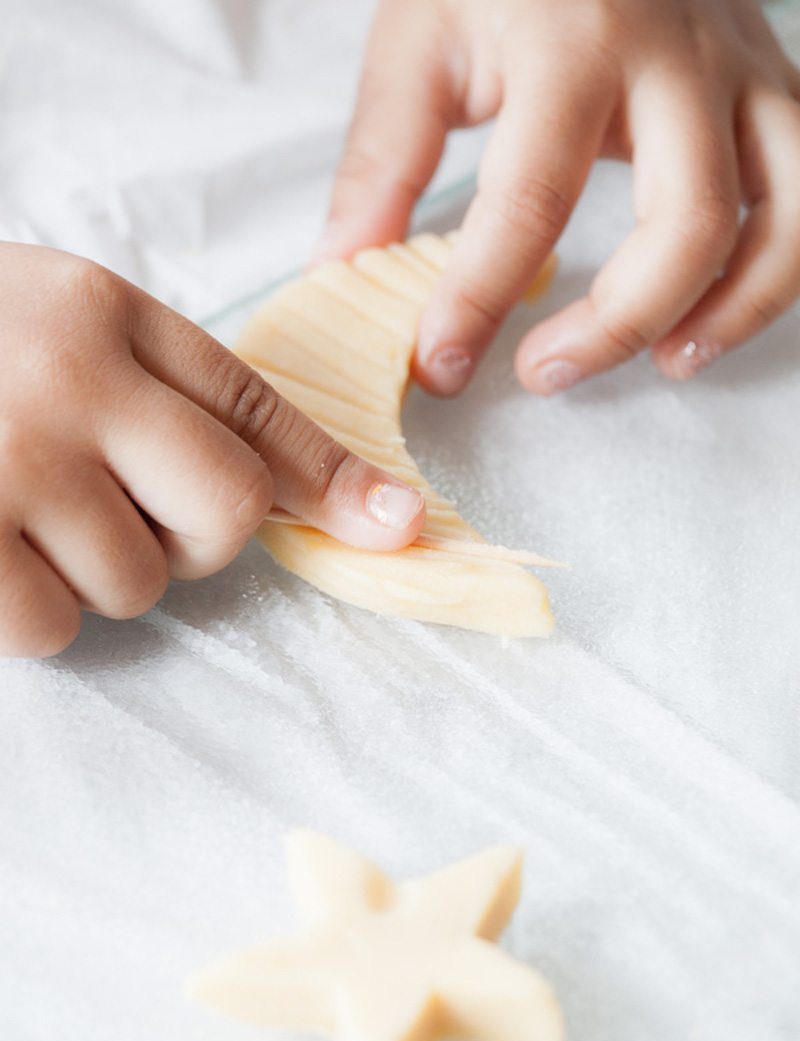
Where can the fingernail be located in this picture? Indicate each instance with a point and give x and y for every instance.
(695, 356)
(552, 376)
(449, 369)
(393, 505)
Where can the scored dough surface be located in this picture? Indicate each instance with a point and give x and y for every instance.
(338, 343)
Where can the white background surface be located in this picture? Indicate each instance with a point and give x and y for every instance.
(646, 757)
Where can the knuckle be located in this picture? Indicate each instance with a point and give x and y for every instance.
(333, 471)
(44, 637)
(534, 205)
(31, 626)
(240, 498)
(94, 288)
(479, 298)
(329, 465)
(764, 306)
(251, 505)
(86, 307)
(310, 456)
(59, 634)
(143, 586)
(712, 222)
(358, 166)
(248, 405)
(625, 335)
(709, 48)
(84, 275)
(593, 21)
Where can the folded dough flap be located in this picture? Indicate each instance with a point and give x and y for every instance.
(338, 344)
(429, 585)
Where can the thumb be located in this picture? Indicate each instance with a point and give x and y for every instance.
(314, 477)
(403, 112)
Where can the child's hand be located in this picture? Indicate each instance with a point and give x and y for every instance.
(134, 447)
(697, 94)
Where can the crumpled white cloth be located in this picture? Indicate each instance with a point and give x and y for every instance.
(187, 145)
(646, 757)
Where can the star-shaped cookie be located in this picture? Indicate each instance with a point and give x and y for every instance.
(379, 961)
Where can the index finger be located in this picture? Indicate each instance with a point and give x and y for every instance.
(547, 136)
(404, 110)
(313, 476)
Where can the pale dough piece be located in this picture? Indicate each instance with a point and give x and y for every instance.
(379, 961)
(338, 344)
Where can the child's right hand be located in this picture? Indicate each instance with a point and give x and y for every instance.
(133, 447)
(696, 94)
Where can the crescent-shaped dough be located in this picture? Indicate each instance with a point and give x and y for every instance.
(338, 344)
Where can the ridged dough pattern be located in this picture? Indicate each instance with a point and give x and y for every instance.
(337, 343)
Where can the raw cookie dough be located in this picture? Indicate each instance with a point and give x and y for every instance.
(338, 343)
(375, 961)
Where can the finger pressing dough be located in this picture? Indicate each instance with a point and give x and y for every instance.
(338, 344)
(376, 961)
